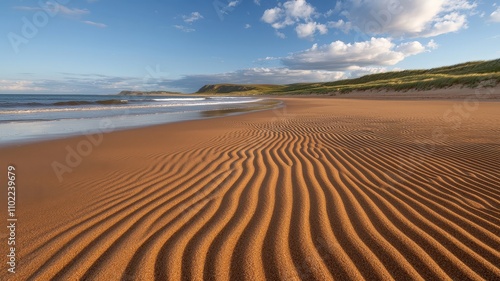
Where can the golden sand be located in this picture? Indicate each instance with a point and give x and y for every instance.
(320, 189)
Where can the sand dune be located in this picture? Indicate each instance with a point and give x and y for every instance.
(321, 189)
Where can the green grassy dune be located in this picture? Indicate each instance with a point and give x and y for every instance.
(471, 75)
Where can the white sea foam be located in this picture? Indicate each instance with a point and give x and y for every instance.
(181, 99)
(128, 107)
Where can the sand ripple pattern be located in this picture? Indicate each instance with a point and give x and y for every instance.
(296, 196)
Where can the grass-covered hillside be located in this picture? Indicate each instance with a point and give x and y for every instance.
(470, 74)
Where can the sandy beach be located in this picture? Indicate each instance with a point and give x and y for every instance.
(320, 189)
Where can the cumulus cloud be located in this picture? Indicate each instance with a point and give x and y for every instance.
(424, 18)
(307, 30)
(341, 56)
(298, 9)
(294, 12)
(495, 16)
(410, 48)
(272, 15)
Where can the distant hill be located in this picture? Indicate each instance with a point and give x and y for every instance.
(470, 75)
(151, 93)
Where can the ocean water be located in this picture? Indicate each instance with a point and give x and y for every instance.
(34, 117)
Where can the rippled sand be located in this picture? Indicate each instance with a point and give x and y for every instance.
(320, 189)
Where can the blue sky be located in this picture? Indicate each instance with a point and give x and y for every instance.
(105, 46)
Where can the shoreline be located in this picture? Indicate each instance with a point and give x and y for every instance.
(454, 94)
(317, 189)
(115, 123)
(443, 95)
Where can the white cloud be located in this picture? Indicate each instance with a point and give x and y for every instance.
(448, 23)
(424, 18)
(410, 48)
(247, 26)
(307, 30)
(233, 4)
(407, 18)
(432, 45)
(495, 16)
(96, 24)
(257, 2)
(194, 16)
(341, 56)
(294, 12)
(272, 15)
(298, 10)
(453, 5)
